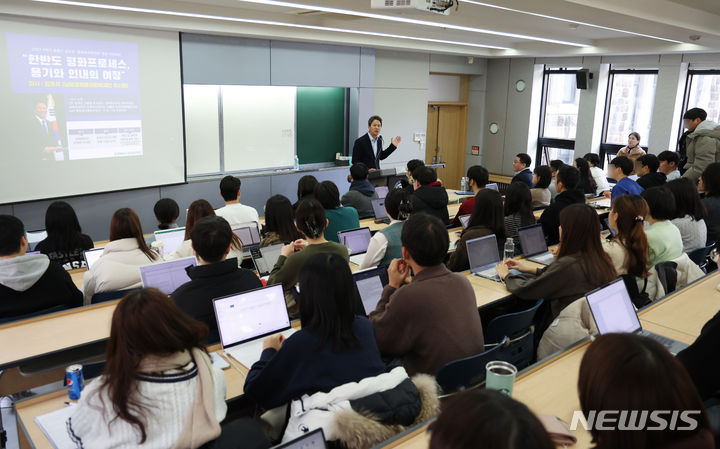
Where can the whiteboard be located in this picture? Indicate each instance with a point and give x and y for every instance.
(202, 125)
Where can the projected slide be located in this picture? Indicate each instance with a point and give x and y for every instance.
(84, 94)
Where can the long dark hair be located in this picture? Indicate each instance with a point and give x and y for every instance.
(62, 226)
(329, 301)
(518, 200)
(544, 175)
(687, 199)
(311, 218)
(581, 237)
(200, 209)
(587, 182)
(306, 186)
(125, 224)
(280, 218)
(488, 212)
(631, 211)
(145, 322)
(398, 204)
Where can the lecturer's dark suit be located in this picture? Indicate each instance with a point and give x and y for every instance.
(38, 138)
(363, 151)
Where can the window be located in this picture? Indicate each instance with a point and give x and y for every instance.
(703, 91)
(558, 117)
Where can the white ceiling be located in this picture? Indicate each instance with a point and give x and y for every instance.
(517, 27)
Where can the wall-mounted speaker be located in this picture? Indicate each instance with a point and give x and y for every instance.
(582, 78)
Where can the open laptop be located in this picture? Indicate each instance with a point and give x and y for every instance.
(381, 215)
(370, 284)
(91, 256)
(382, 191)
(244, 319)
(310, 440)
(249, 235)
(171, 238)
(532, 241)
(483, 256)
(35, 237)
(356, 241)
(265, 258)
(613, 311)
(492, 186)
(464, 220)
(166, 276)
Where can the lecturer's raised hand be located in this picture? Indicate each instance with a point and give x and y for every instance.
(396, 140)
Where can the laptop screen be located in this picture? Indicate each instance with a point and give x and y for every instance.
(532, 240)
(492, 186)
(464, 220)
(612, 309)
(370, 284)
(382, 191)
(356, 240)
(248, 233)
(266, 257)
(166, 276)
(35, 237)
(92, 255)
(250, 315)
(311, 440)
(379, 208)
(482, 251)
(171, 238)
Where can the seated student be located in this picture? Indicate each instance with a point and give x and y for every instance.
(65, 241)
(409, 184)
(311, 221)
(580, 266)
(669, 161)
(709, 184)
(555, 165)
(167, 212)
(306, 189)
(233, 211)
(30, 282)
(432, 320)
(199, 209)
(620, 170)
(159, 388)
(646, 167)
(690, 214)
(361, 191)
(215, 276)
(521, 167)
(385, 244)
(542, 177)
(597, 173)
(628, 249)
(490, 417)
(587, 184)
(664, 238)
(566, 183)
(629, 372)
(430, 196)
(335, 345)
(518, 209)
(487, 218)
(117, 268)
(701, 361)
(340, 218)
(279, 224)
(477, 176)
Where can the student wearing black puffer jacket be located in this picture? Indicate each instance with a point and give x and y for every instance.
(566, 185)
(430, 196)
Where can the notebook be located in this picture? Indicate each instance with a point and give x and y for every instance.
(166, 276)
(171, 238)
(370, 284)
(311, 440)
(91, 256)
(53, 426)
(265, 258)
(356, 241)
(464, 220)
(244, 319)
(382, 191)
(379, 210)
(35, 237)
(532, 241)
(614, 312)
(249, 235)
(483, 256)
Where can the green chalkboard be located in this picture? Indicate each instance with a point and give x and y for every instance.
(320, 124)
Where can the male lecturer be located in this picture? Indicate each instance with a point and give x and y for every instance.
(368, 148)
(41, 136)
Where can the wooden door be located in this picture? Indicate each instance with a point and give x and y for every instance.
(445, 138)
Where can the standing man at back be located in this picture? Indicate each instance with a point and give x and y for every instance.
(234, 212)
(702, 143)
(368, 148)
(521, 167)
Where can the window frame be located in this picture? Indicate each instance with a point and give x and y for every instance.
(544, 142)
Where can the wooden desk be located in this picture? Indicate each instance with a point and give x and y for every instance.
(77, 277)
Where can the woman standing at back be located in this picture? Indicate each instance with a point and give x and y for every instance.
(65, 241)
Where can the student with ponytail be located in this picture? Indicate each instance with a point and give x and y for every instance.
(628, 249)
(385, 245)
(312, 222)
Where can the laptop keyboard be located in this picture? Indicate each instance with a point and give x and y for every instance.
(489, 273)
(665, 341)
(357, 259)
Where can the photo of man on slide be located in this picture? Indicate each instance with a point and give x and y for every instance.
(44, 138)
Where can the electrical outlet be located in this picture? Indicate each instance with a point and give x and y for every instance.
(419, 137)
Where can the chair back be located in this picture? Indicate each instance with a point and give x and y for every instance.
(469, 372)
(700, 255)
(668, 276)
(519, 328)
(109, 295)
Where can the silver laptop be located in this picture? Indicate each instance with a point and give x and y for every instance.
(166, 276)
(357, 242)
(91, 256)
(532, 241)
(614, 312)
(171, 238)
(382, 191)
(35, 237)
(381, 215)
(370, 284)
(249, 235)
(310, 440)
(244, 319)
(265, 258)
(492, 186)
(464, 220)
(483, 256)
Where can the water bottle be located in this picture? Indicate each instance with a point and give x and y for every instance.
(509, 248)
(463, 184)
(297, 163)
